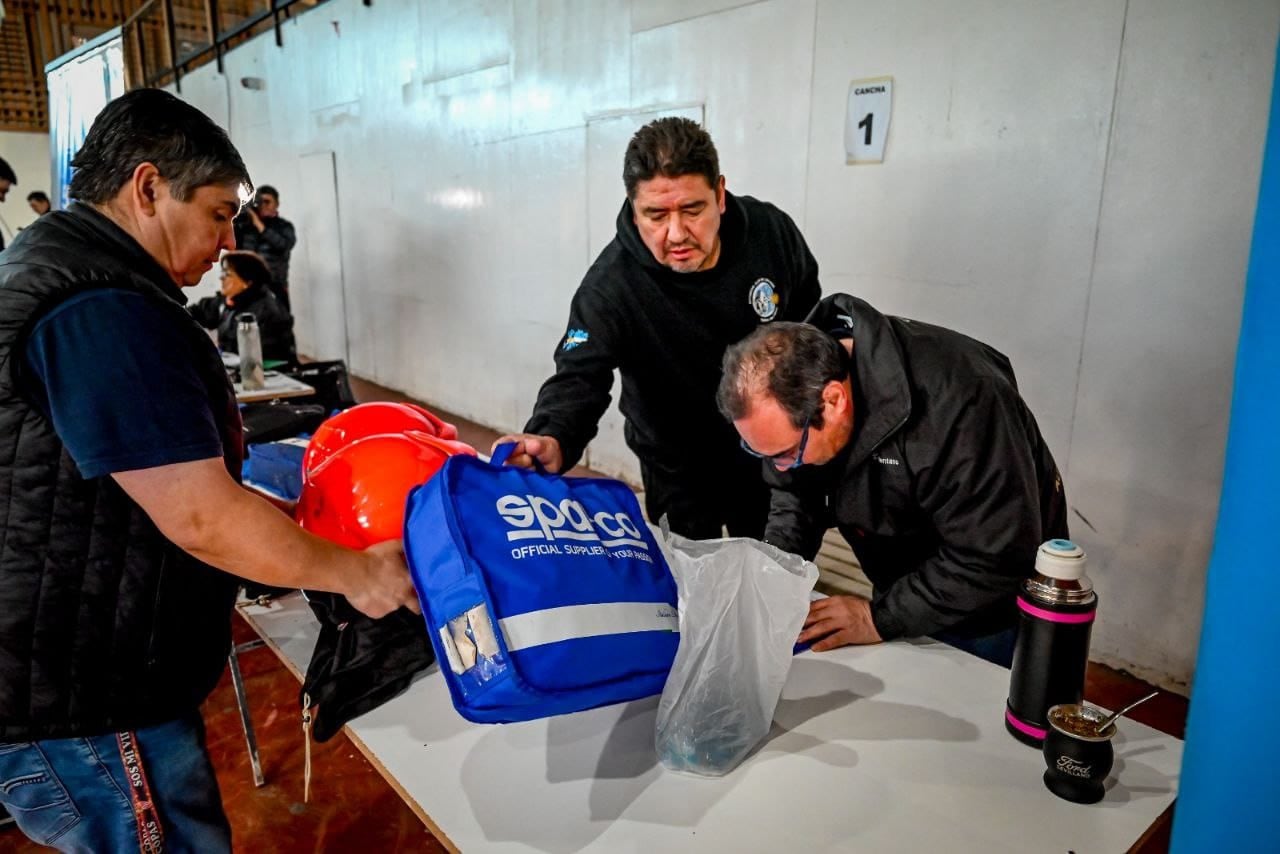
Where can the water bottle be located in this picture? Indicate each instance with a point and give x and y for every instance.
(1056, 607)
(249, 343)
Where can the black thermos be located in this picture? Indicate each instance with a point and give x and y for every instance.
(1056, 607)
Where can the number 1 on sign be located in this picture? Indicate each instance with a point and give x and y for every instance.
(867, 119)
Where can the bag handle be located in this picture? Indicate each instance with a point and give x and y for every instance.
(503, 452)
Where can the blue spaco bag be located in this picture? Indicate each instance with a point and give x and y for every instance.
(542, 594)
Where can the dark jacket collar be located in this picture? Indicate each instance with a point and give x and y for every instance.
(881, 389)
(119, 242)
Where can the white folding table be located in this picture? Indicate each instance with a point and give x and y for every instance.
(276, 386)
(894, 747)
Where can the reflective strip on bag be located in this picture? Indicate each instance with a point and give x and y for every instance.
(584, 621)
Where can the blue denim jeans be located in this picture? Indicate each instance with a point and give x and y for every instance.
(73, 794)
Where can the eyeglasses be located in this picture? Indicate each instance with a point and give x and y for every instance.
(773, 458)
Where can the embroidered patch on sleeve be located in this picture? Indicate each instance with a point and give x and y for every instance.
(575, 338)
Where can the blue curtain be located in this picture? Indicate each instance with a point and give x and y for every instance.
(80, 85)
(1229, 796)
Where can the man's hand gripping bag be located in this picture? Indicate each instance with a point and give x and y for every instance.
(542, 594)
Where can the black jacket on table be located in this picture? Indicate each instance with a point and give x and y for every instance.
(275, 323)
(666, 333)
(274, 243)
(946, 487)
(105, 624)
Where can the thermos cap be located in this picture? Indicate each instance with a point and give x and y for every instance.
(1061, 559)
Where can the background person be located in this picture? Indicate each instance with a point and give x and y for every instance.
(261, 229)
(7, 180)
(246, 290)
(39, 202)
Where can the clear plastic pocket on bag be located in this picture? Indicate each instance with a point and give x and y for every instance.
(471, 647)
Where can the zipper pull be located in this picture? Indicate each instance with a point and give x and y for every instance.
(306, 735)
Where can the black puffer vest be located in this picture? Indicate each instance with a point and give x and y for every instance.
(104, 624)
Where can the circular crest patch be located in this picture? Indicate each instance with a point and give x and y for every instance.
(764, 299)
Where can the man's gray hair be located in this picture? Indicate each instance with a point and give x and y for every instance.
(151, 126)
(789, 362)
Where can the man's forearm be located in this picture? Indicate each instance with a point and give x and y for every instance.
(784, 536)
(203, 511)
(199, 508)
(792, 526)
(940, 593)
(570, 412)
(284, 505)
(295, 559)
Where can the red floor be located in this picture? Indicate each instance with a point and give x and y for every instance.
(353, 809)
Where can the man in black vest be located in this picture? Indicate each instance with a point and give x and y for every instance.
(120, 453)
(693, 269)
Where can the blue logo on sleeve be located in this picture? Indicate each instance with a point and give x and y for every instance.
(574, 338)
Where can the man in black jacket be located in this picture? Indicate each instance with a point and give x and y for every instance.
(261, 229)
(914, 442)
(693, 269)
(120, 453)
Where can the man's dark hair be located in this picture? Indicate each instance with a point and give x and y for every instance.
(6, 172)
(790, 362)
(669, 147)
(37, 196)
(268, 190)
(248, 266)
(152, 126)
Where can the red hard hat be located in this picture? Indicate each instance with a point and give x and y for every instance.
(356, 497)
(370, 419)
(443, 428)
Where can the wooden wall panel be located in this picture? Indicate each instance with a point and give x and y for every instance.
(35, 32)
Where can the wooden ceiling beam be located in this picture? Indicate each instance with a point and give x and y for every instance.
(34, 33)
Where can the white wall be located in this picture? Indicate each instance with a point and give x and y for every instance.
(1073, 183)
(28, 154)
(1158, 358)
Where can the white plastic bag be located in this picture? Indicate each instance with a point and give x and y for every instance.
(742, 604)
